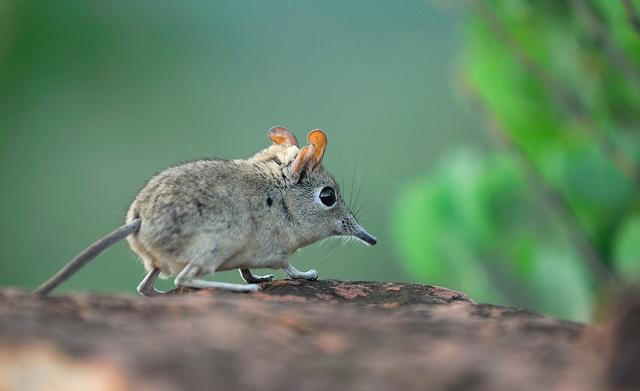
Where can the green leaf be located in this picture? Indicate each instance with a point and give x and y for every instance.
(627, 250)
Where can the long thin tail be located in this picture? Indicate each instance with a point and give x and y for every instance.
(86, 256)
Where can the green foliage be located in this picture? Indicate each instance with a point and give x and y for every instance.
(627, 249)
(475, 226)
(563, 82)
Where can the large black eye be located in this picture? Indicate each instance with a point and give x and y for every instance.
(327, 196)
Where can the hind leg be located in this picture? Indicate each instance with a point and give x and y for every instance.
(146, 287)
(251, 278)
(187, 278)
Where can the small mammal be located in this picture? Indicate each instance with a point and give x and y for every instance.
(205, 216)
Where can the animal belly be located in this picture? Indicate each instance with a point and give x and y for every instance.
(246, 261)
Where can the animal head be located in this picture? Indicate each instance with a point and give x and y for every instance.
(311, 194)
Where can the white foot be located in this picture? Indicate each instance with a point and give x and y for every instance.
(294, 273)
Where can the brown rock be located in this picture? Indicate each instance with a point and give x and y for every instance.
(293, 335)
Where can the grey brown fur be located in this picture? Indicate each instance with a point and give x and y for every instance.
(213, 215)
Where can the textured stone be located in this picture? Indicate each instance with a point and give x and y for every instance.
(292, 335)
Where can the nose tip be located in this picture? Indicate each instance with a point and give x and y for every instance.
(363, 235)
(371, 240)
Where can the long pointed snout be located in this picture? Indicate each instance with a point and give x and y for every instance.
(362, 234)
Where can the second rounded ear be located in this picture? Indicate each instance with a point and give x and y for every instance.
(318, 140)
(309, 157)
(282, 136)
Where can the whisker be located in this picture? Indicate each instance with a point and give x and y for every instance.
(364, 177)
(331, 248)
(341, 162)
(353, 179)
(345, 240)
(366, 202)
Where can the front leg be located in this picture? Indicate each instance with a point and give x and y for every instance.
(296, 274)
(251, 278)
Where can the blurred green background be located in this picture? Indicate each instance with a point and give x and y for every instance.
(494, 143)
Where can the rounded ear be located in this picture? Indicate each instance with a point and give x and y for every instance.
(282, 136)
(318, 139)
(309, 157)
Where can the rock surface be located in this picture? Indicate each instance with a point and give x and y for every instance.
(292, 335)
